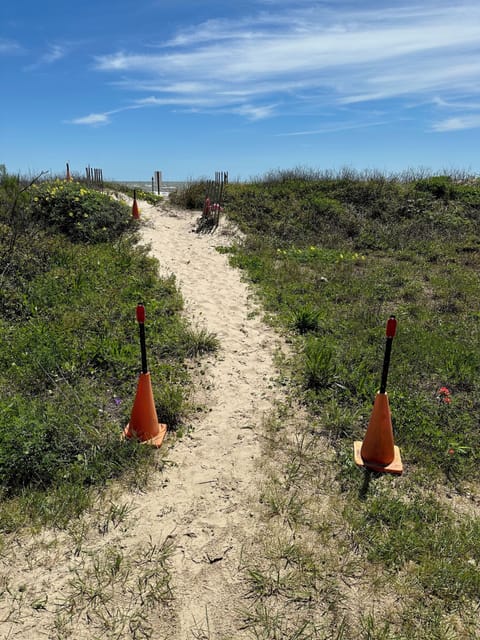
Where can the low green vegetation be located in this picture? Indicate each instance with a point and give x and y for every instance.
(89, 604)
(148, 196)
(71, 275)
(81, 214)
(192, 196)
(332, 257)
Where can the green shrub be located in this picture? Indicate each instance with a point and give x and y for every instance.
(192, 196)
(438, 186)
(412, 252)
(69, 364)
(84, 215)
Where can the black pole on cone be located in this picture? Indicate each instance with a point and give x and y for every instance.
(144, 424)
(141, 326)
(391, 330)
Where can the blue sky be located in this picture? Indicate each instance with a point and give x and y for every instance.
(190, 88)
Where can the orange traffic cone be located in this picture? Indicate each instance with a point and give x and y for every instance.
(144, 423)
(135, 211)
(378, 452)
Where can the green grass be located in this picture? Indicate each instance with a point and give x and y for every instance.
(391, 530)
(338, 295)
(332, 257)
(112, 595)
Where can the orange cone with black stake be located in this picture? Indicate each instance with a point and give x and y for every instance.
(378, 452)
(135, 211)
(144, 423)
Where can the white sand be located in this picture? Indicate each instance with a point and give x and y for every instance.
(211, 495)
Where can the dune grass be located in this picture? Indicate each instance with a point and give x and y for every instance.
(347, 554)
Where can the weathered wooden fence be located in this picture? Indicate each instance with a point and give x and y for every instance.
(94, 177)
(213, 204)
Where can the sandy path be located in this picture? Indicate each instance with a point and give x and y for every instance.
(209, 496)
(204, 503)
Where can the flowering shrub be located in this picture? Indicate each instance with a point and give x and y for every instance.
(84, 215)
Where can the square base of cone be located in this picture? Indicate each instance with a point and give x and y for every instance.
(154, 442)
(395, 466)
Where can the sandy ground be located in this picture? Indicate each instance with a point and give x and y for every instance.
(205, 502)
(211, 494)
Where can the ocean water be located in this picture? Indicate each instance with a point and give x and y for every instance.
(165, 187)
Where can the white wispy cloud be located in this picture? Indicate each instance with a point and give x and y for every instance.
(328, 54)
(54, 53)
(94, 119)
(419, 77)
(334, 128)
(255, 112)
(10, 47)
(460, 104)
(103, 118)
(458, 123)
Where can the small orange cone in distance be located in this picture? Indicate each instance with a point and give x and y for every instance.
(135, 211)
(144, 423)
(378, 452)
(206, 207)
